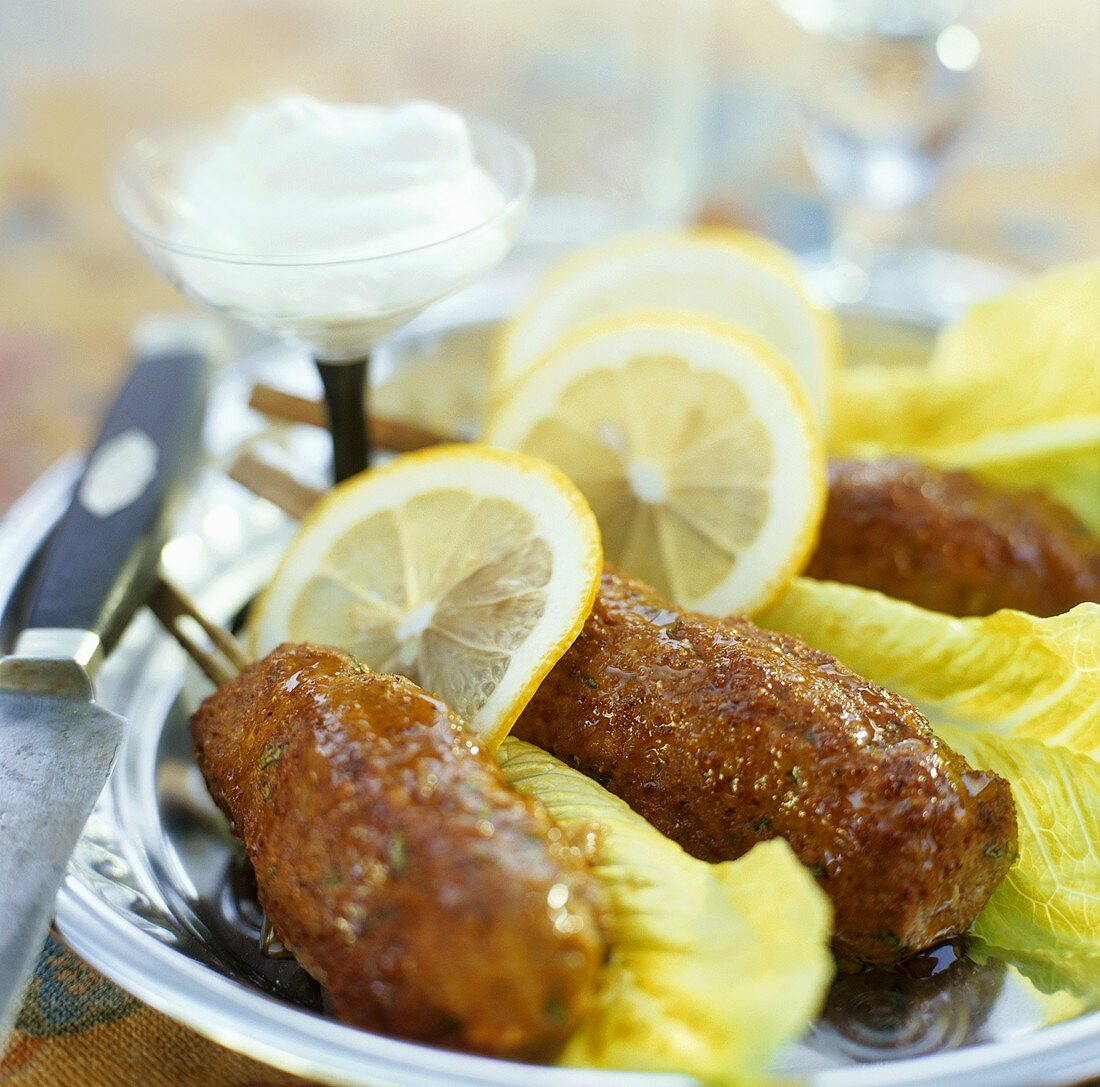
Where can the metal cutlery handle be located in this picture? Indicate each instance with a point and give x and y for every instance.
(101, 560)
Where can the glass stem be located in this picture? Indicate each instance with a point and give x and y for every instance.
(346, 385)
(880, 122)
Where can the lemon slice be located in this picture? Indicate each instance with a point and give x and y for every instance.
(731, 276)
(694, 446)
(467, 569)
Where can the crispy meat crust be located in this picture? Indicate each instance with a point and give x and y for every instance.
(948, 542)
(723, 735)
(394, 860)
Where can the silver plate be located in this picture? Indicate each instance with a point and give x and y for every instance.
(157, 898)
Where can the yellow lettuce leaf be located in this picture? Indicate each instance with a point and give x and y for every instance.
(713, 967)
(1012, 391)
(1045, 916)
(1008, 673)
(1014, 694)
(1061, 458)
(1046, 329)
(880, 408)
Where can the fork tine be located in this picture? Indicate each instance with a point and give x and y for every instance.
(170, 604)
(222, 638)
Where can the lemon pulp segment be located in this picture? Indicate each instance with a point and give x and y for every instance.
(694, 447)
(466, 569)
(732, 276)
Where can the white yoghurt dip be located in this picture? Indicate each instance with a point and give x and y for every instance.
(375, 203)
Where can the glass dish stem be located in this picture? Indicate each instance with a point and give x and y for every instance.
(345, 384)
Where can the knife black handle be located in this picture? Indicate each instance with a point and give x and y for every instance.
(100, 561)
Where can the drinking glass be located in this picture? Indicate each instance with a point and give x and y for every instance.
(890, 97)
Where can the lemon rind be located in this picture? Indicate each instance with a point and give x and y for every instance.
(550, 370)
(754, 248)
(439, 468)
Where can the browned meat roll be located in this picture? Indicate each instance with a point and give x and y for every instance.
(946, 541)
(429, 898)
(722, 735)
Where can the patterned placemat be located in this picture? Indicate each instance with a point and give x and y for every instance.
(76, 1029)
(77, 76)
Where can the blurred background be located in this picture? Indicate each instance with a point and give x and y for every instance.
(971, 127)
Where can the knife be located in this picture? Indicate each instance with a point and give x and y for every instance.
(57, 746)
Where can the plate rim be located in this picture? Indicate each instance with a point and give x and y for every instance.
(1053, 1056)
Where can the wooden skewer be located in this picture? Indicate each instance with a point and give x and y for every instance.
(280, 488)
(386, 433)
(271, 943)
(171, 605)
(264, 479)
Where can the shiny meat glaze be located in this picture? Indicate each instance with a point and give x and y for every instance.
(723, 735)
(430, 899)
(946, 541)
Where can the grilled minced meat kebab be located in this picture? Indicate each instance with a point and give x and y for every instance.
(948, 542)
(723, 735)
(427, 897)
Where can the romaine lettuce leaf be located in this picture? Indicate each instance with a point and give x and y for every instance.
(1012, 391)
(1014, 694)
(713, 967)
(1009, 673)
(1045, 917)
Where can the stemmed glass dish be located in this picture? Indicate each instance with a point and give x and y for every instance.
(891, 95)
(340, 309)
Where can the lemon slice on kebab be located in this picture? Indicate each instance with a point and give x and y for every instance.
(468, 569)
